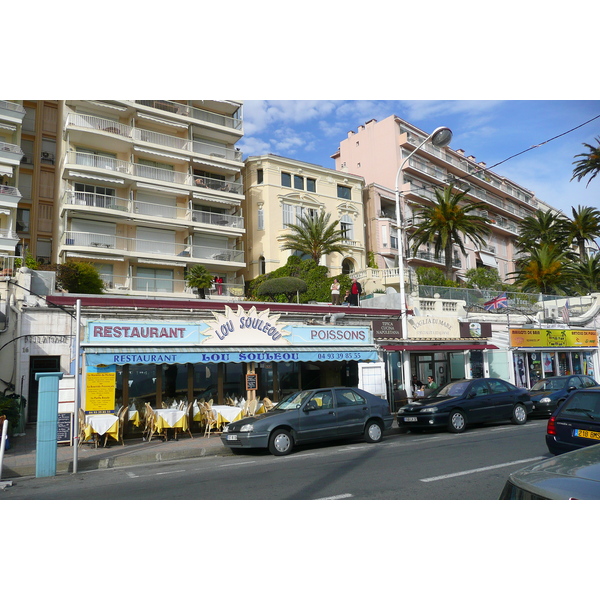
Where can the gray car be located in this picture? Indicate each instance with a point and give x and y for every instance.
(571, 476)
(312, 416)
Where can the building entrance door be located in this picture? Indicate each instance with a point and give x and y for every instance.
(38, 364)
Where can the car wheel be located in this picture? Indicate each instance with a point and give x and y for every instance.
(281, 442)
(519, 416)
(373, 432)
(457, 422)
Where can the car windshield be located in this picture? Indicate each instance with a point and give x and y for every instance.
(451, 389)
(294, 401)
(550, 384)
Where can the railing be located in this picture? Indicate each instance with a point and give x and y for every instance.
(6, 105)
(149, 172)
(217, 151)
(8, 234)
(102, 241)
(9, 190)
(96, 200)
(12, 148)
(223, 220)
(194, 113)
(7, 265)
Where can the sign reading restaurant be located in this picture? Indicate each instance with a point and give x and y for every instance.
(239, 328)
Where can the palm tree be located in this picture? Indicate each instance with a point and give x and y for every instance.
(586, 275)
(547, 269)
(313, 235)
(584, 226)
(444, 224)
(588, 163)
(200, 278)
(542, 227)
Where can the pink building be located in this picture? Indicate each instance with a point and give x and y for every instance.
(376, 152)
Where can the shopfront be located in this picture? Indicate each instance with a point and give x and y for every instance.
(540, 353)
(442, 348)
(159, 361)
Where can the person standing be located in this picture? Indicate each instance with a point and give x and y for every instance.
(355, 292)
(335, 292)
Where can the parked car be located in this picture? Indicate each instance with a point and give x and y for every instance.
(549, 393)
(572, 476)
(575, 423)
(312, 416)
(466, 402)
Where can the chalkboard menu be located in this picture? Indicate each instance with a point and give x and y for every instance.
(251, 381)
(63, 434)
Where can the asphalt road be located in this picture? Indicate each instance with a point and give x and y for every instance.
(473, 465)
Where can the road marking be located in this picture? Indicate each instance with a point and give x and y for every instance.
(338, 497)
(248, 462)
(461, 473)
(132, 475)
(169, 472)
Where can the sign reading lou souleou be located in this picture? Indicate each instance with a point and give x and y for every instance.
(270, 340)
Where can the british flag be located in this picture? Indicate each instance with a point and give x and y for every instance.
(500, 301)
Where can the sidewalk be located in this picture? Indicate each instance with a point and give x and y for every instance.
(20, 459)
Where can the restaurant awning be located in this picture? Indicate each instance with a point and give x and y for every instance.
(439, 347)
(114, 355)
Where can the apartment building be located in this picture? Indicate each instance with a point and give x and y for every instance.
(11, 154)
(278, 191)
(149, 188)
(377, 151)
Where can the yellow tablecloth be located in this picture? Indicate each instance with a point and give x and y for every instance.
(170, 418)
(222, 412)
(134, 415)
(100, 425)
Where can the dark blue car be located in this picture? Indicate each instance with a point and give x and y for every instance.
(550, 392)
(575, 423)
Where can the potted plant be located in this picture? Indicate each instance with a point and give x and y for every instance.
(198, 277)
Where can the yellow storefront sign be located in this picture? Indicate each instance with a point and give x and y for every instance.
(553, 338)
(100, 392)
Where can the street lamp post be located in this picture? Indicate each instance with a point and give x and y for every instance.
(439, 138)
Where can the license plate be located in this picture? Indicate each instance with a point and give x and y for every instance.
(593, 435)
(232, 438)
(410, 419)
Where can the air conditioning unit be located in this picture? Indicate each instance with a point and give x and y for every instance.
(48, 156)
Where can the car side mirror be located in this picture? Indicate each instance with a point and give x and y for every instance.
(472, 394)
(311, 405)
(571, 388)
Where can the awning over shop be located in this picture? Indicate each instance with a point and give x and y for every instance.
(440, 347)
(115, 355)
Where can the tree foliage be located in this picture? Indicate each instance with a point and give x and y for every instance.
(286, 286)
(314, 236)
(588, 163)
(199, 278)
(79, 278)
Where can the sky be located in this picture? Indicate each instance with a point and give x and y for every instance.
(546, 135)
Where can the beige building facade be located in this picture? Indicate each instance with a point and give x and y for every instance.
(279, 190)
(377, 151)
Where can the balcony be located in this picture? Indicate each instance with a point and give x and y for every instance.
(135, 170)
(10, 154)
(9, 196)
(11, 111)
(221, 220)
(180, 254)
(135, 134)
(8, 240)
(198, 114)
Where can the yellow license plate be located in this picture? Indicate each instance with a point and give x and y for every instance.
(593, 435)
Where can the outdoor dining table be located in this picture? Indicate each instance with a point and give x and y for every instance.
(101, 424)
(134, 415)
(224, 413)
(170, 418)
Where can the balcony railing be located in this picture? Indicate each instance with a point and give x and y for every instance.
(149, 172)
(152, 137)
(6, 105)
(135, 246)
(9, 190)
(194, 113)
(97, 200)
(222, 220)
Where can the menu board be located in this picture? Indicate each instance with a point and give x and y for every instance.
(64, 428)
(251, 381)
(100, 392)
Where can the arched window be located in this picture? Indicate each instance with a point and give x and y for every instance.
(262, 266)
(347, 266)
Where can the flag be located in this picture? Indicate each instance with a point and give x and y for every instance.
(500, 301)
(564, 311)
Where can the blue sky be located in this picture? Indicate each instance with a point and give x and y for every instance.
(490, 130)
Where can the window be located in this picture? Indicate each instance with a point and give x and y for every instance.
(343, 192)
(259, 175)
(311, 185)
(23, 220)
(298, 182)
(346, 226)
(43, 251)
(286, 180)
(262, 265)
(349, 398)
(94, 195)
(154, 280)
(288, 214)
(260, 225)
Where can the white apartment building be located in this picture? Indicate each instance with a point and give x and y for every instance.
(148, 188)
(11, 154)
(378, 150)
